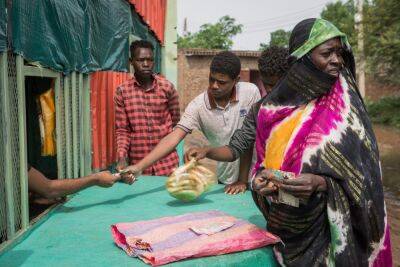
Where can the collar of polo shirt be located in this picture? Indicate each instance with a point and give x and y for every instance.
(212, 104)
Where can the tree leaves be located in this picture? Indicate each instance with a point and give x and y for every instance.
(212, 36)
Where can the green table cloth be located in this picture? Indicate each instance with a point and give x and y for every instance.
(77, 233)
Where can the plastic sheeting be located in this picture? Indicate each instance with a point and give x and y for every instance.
(190, 181)
(73, 35)
(103, 85)
(153, 13)
(143, 32)
(174, 238)
(3, 20)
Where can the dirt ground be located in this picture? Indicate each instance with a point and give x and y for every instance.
(388, 140)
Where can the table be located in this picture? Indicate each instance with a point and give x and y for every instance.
(77, 233)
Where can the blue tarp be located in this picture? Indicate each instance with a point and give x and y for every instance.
(3, 21)
(142, 31)
(73, 35)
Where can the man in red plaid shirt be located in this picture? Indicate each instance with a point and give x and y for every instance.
(146, 110)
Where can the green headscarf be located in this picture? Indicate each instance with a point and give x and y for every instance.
(321, 31)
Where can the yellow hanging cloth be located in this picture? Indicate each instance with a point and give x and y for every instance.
(48, 122)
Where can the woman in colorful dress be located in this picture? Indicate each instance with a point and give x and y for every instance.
(315, 125)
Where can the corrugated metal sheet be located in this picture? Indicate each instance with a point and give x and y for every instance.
(103, 85)
(153, 13)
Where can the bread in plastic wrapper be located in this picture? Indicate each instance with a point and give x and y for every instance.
(189, 181)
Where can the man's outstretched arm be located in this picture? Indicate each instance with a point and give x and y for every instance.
(45, 187)
(162, 149)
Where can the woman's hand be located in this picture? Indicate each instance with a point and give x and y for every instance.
(304, 185)
(263, 184)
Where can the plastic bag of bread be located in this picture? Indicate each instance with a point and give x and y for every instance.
(189, 181)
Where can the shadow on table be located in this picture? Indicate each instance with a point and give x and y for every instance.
(216, 191)
(178, 203)
(65, 209)
(14, 258)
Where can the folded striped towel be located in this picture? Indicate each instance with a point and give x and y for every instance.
(168, 239)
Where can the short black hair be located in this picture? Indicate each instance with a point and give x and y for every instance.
(140, 44)
(226, 63)
(274, 61)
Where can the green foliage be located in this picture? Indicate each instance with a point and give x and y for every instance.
(278, 38)
(263, 46)
(342, 16)
(212, 36)
(385, 111)
(382, 41)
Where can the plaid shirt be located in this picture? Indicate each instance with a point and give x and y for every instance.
(143, 118)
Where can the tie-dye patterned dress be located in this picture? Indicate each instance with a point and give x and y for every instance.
(303, 129)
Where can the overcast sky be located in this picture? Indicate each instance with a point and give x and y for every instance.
(259, 17)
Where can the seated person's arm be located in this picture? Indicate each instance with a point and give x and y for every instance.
(163, 148)
(39, 184)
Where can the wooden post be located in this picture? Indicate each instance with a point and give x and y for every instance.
(67, 121)
(75, 154)
(169, 66)
(86, 126)
(23, 170)
(8, 174)
(80, 122)
(59, 126)
(358, 19)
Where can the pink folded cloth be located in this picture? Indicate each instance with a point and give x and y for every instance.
(168, 239)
